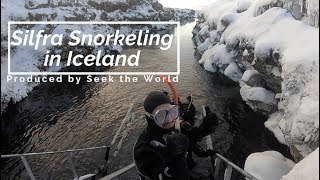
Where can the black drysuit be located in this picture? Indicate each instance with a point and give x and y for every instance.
(153, 159)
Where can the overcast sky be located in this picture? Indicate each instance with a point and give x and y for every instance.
(191, 4)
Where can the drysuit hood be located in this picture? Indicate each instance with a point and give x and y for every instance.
(154, 99)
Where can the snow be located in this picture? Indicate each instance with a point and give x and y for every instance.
(307, 169)
(9, 12)
(268, 165)
(274, 124)
(39, 2)
(258, 94)
(233, 72)
(219, 9)
(243, 5)
(204, 46)
(266, 30)
(271, 165)
(248, 74)
(216, 58)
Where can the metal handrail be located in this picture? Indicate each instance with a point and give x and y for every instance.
(53, 152)
(118, 173)
(219, 157)
(231, 166)
(69, 157)
(72, 167)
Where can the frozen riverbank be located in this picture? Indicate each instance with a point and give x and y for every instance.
(273, 54)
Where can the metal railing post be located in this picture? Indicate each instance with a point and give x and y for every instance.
(217, 168)
(26, 165)
(228, 173)
(237, 168)
(73, 169)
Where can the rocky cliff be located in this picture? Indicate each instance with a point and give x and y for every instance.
(270, 47)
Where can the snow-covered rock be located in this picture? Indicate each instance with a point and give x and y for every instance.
(182, 15)
(217, 59)
(307, 169)
(259, 99)
(306, 10)
(278, 53)
(252, 78)
(268, 165)
(271, 165)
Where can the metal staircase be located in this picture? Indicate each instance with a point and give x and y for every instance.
(217, 160)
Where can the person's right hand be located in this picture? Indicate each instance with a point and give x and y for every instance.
(211, 119)
(211, 152)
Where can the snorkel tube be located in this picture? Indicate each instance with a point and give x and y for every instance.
(175, 99)
(173, 89)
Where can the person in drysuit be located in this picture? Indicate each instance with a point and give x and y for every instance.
(195, 134)
(160, 152)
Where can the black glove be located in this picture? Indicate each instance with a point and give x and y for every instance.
(207, 109)
(211, 152)
(177, 144)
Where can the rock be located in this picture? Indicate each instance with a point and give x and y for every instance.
(104, 16)
(290, 77)
(110, 6)
(270, 70)
(266, 5)
(252, 78)
(227, 19)
(167, 14)
(34, 4)
(295, 153)
(157, 6)
(259, 99)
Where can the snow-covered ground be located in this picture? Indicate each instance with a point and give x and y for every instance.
(24, 58)
(271, 48)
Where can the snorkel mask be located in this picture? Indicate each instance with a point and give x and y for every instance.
(165, 115)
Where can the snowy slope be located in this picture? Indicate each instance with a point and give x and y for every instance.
(276, 54)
